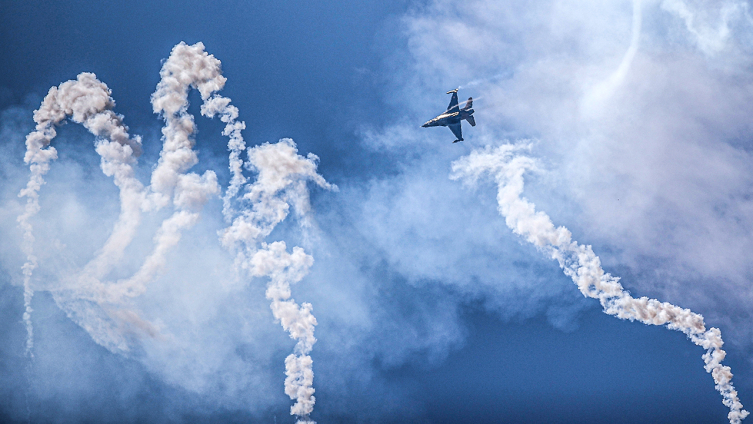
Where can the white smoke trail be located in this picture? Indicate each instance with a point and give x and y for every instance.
(228, 114)
(584, 267)
(100, 306)
(187, 67)
(481, 81)
(97, 305)
(281, 181)
(86, 101)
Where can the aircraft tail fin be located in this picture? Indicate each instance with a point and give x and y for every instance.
(468, 104)
(471, 120)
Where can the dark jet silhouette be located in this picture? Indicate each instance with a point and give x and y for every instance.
(452, 117)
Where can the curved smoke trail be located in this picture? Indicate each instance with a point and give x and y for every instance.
(170, 183)
(101, 307)
(281, 181)
(86, 101)
(581, 264)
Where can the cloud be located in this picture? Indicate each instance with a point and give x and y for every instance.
(658, 167)
(641, 128)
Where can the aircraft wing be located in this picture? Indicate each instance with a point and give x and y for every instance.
(457, 130)
(453, 107)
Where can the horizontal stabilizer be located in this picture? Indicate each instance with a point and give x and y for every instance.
(471, 120)
(468, 104)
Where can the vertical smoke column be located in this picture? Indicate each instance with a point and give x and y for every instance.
(87, 101)
(219, 105)
(281, 181)
(581, 264)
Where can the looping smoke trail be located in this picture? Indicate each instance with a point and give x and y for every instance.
(86, 298)
(228, 114)
(281, 181)
(86, 101)
(187, 67)
(99, 306)
(581, 264)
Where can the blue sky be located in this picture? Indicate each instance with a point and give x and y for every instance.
(429, 308)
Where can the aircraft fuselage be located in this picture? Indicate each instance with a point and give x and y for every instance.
(446, 118)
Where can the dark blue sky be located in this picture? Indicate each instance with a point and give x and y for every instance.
(325, 74)
(304, 70)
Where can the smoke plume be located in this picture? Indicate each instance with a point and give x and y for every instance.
(581, 264)
(105, 308)
(281, 181)
(86, 101)
(102, 307)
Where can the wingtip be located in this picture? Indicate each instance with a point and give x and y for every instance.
(452, 91)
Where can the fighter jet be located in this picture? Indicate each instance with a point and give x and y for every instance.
(453, 116)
